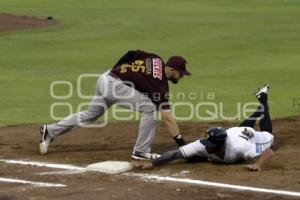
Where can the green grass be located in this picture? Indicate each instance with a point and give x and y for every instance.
(232, 47)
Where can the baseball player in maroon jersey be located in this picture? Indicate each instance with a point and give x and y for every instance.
(138, 81)
(241, 143)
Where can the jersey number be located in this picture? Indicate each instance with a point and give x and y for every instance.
(136, 66)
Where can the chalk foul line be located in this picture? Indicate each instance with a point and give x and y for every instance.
(43, 164)
(145, 177)
(34, 183)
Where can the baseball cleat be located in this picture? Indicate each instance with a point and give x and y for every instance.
(45, 140)
(263, 90)
(144, 156)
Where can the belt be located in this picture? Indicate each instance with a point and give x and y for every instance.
(116, 77)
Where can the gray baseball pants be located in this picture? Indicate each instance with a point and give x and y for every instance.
(109, 91)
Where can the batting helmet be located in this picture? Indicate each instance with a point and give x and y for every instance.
(214, 137)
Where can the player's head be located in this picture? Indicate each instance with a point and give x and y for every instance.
(214, 137)
(176, 68)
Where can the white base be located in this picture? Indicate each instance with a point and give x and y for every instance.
(110, 167)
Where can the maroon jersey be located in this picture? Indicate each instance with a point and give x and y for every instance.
(146, 71)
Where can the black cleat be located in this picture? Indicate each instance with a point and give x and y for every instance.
(45, 140)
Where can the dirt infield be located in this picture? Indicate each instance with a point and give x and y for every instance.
(11, 22)
(115, 142)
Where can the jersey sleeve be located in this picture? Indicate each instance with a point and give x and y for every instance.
(160, 87)
(248, 151)
(167, 157)
(162, 102)
(193, 149)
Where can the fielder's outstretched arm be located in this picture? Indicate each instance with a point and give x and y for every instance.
(170, 122)
(172, 127)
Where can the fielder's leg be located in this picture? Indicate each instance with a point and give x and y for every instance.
(147, 128)
(96, 109)
(130, 98)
